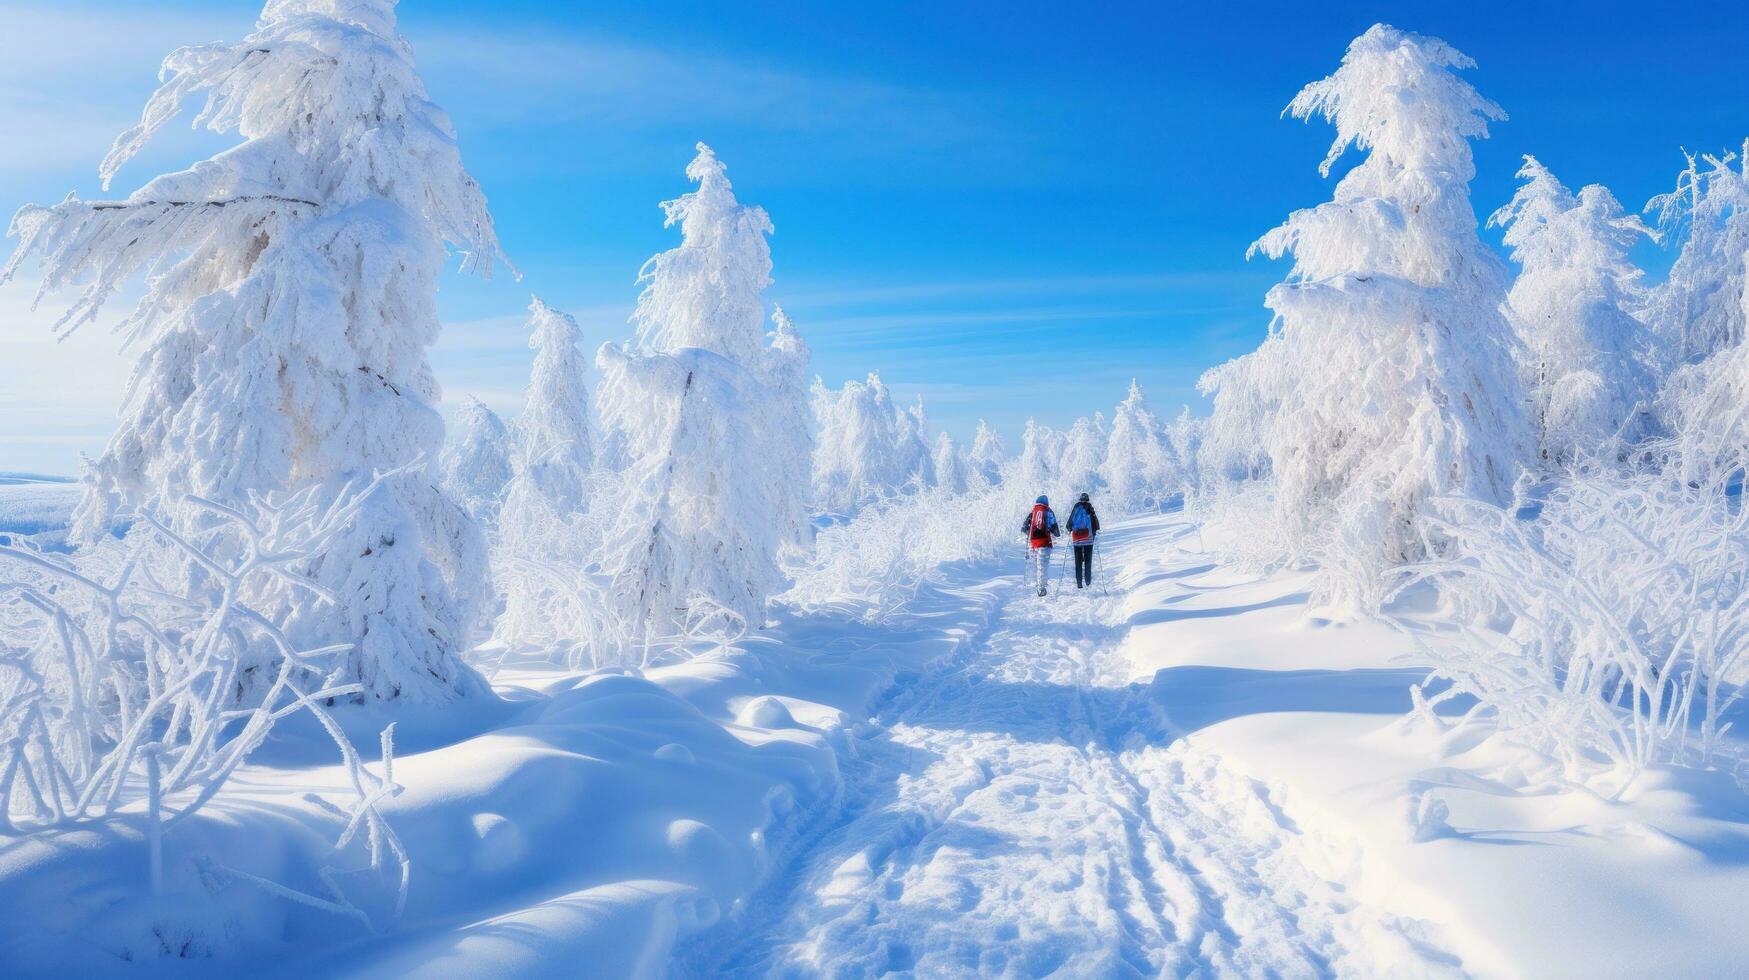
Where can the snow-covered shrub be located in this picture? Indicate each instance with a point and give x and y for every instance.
(1388, 376)
(1608, 632)
(698, 524)
(880, 557)
(475, 464)
(869, 446)
(1138, 468)
(288, 312)
(121, 692)
(1588, 362)
(988, 455)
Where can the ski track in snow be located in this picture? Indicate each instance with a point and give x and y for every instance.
(1024, 811)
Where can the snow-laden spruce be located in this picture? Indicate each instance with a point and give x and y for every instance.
(1588, 362)
(709, 436)
(1388, 376)
(988, 455)
(475, 464)
(953, 469)
(787, 362)
(556, 450)
(1138, 467)
(1700, 310)
(869, 446)
(1037, 468)
(289, 310)
(542, 548)
(1084, 455)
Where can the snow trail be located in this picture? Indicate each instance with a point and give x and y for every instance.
(1025, 811)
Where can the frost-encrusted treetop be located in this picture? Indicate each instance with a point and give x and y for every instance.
(708, 292)
(289, 311)
(1396, 95)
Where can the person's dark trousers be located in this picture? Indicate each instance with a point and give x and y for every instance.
(1083, 565)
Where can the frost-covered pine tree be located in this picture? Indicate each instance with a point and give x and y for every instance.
(692, 398)
(289, 310)
(1138, 464)
(475, 464)
(1389, 373)
(869, 447)
(556, 449)
(1184, 437)
(989, 456)
(1083, 455)
(791, 422)
(1700, 310)
(543, 547)
(1041, 452)
(1587, 364)
(953, 470)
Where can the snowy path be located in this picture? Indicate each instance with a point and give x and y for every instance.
(1024, 811)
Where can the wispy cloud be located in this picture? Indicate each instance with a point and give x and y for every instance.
(848, 294)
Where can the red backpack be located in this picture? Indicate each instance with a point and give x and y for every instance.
(1041, 525)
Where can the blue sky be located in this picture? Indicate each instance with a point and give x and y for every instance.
(1009, 210)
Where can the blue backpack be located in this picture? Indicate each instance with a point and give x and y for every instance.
(1081, 520)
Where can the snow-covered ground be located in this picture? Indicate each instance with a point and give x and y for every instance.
(33, 504)
(1178, 773)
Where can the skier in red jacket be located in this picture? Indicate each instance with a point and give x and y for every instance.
(1040, 528)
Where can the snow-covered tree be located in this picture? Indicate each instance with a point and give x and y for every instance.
(691, 396)
(476, 461)
(1587, 360)
(1700, 310)
(1083, 456)
(791, 423)
(556, 448)
(289, 310)
(953, 470)
(989, 455)
(1138, 464)
(1389, 375)
(869, 447)
(1039, 463)
(543, 548)
(1184, 438)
